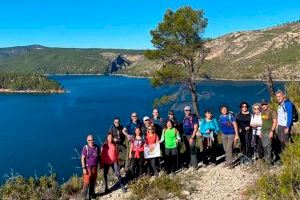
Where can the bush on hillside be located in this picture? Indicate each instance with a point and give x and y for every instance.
(20, 188)
(158, 188)
(283, 185)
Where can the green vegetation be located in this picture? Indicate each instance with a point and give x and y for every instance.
(20, 188)
(72, 187)
(158, 188)
(240, 55)
(244, 55)
(30, 82)
(180, 47)
(283, 185)
(286, 184)
(44, 60)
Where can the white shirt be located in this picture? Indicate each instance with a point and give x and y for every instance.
(257, 122)
(282, 115)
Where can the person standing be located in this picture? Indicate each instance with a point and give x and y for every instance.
(170, 137)
(109, 159)
(172, 117)
(130, 127)
(157, 121)
(151, 141)
(90, 158)
(229, 131)
(245, 133)
(136, 154)
(147, 124)
(269, 123)
(129, 131)
(190, 126)
(119, 139)
(209, 130)
(256, 124)
(285, 118)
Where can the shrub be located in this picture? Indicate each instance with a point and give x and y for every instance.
(72, 186)
(20, 188)
(158, 188)
(284, 185)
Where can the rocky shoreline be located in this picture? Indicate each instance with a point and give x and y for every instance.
(2, 90)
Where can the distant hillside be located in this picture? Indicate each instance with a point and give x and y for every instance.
(244, 55)
(45, 60)
(239, 55)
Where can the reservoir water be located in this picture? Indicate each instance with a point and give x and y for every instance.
(38, 130)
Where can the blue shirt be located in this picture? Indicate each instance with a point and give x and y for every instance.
(131, 126)
(226, 124)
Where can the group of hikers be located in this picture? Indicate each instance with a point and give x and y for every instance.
(261, 133)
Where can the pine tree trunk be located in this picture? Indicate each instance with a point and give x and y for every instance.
(269, 82)
(194, 99)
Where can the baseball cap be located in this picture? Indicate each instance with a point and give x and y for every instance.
(187, 108)
(146, 118)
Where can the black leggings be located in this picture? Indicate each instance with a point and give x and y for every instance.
(116, 169)
(171, 159)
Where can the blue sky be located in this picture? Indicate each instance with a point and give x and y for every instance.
(126, 24)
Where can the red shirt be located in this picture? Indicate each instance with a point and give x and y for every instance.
(109, 154)
(151, 139)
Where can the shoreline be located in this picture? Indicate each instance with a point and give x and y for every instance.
(10, 91)
(149, 77)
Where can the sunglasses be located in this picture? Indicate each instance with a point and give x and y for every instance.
(244, 106)
(133, 116)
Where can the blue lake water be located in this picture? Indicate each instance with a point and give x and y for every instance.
(37, 130)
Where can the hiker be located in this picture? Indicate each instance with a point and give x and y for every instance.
(90, 158)
(229, 131)
(151, 140)
(245, 132)
(136, 154)
(269, 124)
(171, 116)
(128, 131)
(119, 139)
(147, 124)
(129, 128)
(256, 124)
(109, 159)
(170, 137)
(285, 118)
(209, 129)
(190, 128)
(157, 122)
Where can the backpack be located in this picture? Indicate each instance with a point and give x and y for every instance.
(87, 150)
(189, 122)
(295, 115)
